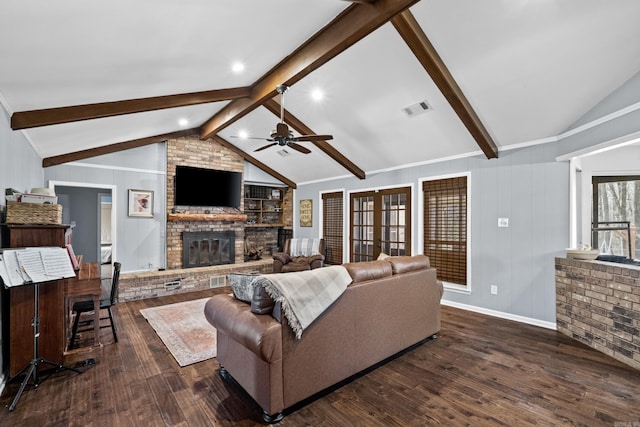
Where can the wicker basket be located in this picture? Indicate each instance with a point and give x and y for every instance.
(33, 213)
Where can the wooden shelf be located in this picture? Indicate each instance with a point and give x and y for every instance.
(261, 208)
(263, 225)
(222, 217)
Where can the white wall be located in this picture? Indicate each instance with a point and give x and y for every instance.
(527, 186)
(140, 243)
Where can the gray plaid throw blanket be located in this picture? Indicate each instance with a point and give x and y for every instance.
(307, 294)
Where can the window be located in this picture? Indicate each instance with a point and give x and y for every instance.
(380, 222)
(445, 227)
(616, 215)
(332, 226)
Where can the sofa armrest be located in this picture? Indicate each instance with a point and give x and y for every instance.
(261, 334)
(316, 261)
(282, 257)
(279, 260)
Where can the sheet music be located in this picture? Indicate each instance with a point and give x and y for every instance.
(57, 262)
(11, 267)
(4, 274)
(31, 262)
(35, 265)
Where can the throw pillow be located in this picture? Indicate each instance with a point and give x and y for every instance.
(382, 256)
(242, 285)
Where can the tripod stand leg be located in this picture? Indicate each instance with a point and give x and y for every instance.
(32, 372)
(58, 365)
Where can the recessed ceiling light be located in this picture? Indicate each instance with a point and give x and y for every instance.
(183, 122)
(317, 95)
(243, 134)
(237, 67)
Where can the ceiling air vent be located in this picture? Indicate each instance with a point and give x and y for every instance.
(416, 109)
(283, 152)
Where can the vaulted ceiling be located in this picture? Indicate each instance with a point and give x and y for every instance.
(83, 78)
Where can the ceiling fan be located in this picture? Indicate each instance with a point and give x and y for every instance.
(282, 136)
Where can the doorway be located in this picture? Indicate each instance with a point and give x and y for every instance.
(90, 209)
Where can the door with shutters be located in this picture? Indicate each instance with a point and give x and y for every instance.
(332, 227)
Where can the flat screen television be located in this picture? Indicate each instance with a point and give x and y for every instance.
(207, 187)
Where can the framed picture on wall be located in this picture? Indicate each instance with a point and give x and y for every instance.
(306, 213)
(141, 203)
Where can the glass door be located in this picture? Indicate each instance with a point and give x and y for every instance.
(380, 223)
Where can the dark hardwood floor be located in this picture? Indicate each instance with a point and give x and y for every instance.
(481, 371)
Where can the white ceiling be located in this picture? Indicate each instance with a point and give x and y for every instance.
(529, 68)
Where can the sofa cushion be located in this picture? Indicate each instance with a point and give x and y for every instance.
(242, 285)
(404, 264)
(261, 303)
(369, 270)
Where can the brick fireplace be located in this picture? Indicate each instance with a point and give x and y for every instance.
(191, 151)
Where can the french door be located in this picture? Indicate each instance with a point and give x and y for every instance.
(380, 223)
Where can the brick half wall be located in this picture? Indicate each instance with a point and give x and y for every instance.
(598, 304)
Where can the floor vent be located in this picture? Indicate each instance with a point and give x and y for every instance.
(415, 109)
(217, 281)
(172, 286)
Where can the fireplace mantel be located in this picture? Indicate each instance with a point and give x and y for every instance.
(211, 217)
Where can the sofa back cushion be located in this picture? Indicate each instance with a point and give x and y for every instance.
(369, 270)
(404, 264)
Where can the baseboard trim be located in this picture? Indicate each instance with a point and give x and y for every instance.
(502, 315)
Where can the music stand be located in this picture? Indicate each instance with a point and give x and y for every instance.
(37, 359)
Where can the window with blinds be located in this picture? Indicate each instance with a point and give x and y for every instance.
(445, 227)
(332, 226)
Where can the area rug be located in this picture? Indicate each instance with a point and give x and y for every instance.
(185, 331)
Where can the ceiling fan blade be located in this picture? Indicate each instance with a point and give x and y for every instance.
(312, 138)
(266, 146)
(249, 137)
(298, 147)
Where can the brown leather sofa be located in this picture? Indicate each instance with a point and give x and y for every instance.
(391, 304)
(284, 262)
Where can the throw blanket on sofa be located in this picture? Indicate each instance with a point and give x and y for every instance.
(307, 294)
(304, 247)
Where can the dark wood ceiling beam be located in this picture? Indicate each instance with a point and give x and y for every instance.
(352, 25)
(113, 148)
(409, 29)
(253, 161)
(324, 146)
(75, 113)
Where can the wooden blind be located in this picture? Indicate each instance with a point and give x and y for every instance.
(332, 226)
(445, 227)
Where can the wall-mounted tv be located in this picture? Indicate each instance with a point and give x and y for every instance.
(207, 187)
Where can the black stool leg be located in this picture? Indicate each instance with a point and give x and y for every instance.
(74, 330)
(113, 325)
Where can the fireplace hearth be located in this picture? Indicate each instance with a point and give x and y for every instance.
(207, 248)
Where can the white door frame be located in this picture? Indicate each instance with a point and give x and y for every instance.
(113, 189)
